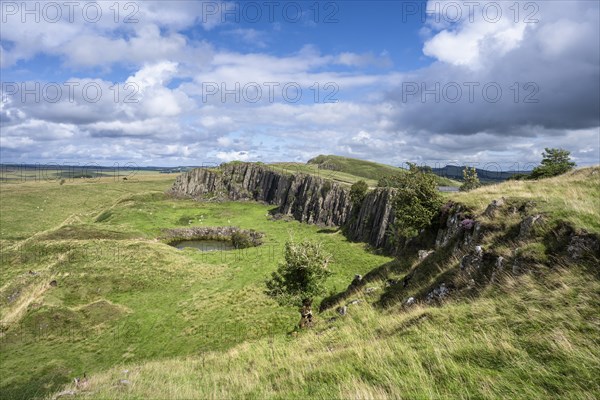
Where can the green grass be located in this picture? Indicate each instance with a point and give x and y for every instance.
(573, 197)
(512, 343)
(198, 325)
(100, 244)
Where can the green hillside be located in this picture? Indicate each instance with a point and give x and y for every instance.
(349, 170)
(145, 320)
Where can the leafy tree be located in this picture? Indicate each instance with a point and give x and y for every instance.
(416, 201)
(470, 179)
(554, 162)
(358, 191)
(301, 277)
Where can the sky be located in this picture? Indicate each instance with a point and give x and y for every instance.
(482, 83)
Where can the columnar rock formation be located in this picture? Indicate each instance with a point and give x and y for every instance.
(304, 197)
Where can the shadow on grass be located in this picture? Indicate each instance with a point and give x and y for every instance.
(40, 385)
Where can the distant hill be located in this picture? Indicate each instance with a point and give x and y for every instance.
(368, 170)
(485, 176)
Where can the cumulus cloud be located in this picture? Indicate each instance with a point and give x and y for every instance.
(547, 73)
(389, 116)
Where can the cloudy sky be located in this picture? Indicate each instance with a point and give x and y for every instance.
(192, 82)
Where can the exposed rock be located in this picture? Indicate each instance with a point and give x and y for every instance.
(306, 198)
(409, 302)
(370, 290)
(470, 261)
(499, 262)
(449, 231)
(391, 282)
(224, 233)
(374, 219)
(353, 302)
(527, 226)
(423, 254)
(491, 209)
(124, 382)
(582, 245)
(342, 310)
(438, 293)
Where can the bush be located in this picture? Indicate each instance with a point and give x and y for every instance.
(241, 240)
(358, 191)
(302, 275)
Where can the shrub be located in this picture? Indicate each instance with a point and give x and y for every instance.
(358, 191)
(241, 240)
(300, 277)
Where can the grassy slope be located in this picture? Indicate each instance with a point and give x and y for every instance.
(573, 197)
(350, 170)
(122, 296)
(531, 336)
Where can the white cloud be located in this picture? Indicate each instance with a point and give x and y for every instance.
(228, 156)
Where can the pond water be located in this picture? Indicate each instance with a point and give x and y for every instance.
(204, 245)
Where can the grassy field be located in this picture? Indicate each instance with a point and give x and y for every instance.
(122, 296)
(185, 324)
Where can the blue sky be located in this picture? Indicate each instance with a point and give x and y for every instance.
(380, 80)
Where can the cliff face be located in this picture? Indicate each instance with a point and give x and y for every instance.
(372, 221)
(306, 198)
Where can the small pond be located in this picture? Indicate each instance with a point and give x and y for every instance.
(204, 245)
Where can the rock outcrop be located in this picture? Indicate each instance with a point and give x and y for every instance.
(306, 198)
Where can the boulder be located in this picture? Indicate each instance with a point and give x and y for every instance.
(528, 225)
(491, 209)
(582, 245)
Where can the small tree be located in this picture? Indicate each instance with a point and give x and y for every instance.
(301, 277)
(554, 162)
(470, 179)
(358, 191)
(416, 202)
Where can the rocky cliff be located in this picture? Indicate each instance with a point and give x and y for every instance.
(306, 198)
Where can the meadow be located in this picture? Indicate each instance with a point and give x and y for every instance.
(145, 320)
(124, 296)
